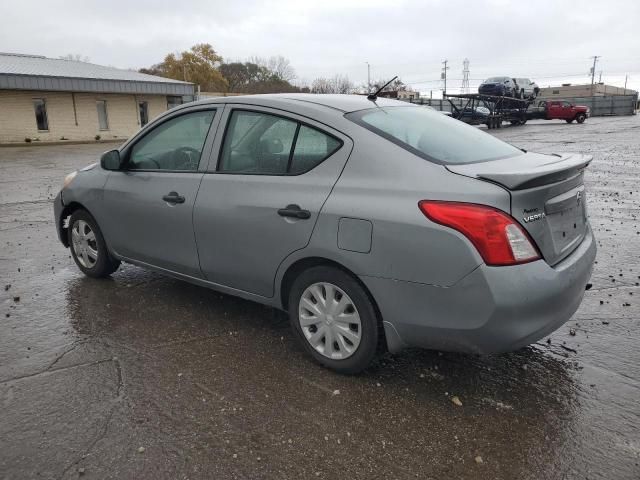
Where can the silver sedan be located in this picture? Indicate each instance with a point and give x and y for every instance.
(375, 224)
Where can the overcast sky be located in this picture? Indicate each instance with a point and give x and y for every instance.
(548, 41)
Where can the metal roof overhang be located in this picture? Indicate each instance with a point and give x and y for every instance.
(69, 84)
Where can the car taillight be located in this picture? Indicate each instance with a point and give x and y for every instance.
(499, 239)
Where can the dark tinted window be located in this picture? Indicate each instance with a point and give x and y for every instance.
(264, 144)
(432, 135)
(173, 101)
(40, 109)
(103, 120)
(173, 145)
(143, 107)
(312, 147)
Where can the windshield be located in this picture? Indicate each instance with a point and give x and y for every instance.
(496, 79)
(433, 136)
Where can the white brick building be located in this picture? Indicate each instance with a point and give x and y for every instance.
(52, 100)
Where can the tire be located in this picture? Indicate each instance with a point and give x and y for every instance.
(311, 289)
(569, 120)
(88, 247)
(581, 117)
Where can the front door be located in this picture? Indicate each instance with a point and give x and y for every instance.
(262, 201)
(150, 202)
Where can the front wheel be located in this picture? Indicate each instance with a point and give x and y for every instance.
(581, 117)
(334, 318)
(88, 247)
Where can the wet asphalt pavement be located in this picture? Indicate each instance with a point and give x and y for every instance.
(142, 376)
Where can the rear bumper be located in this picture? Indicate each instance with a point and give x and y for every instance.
(491, 310)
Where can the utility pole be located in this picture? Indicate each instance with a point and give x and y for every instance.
(465, 76)
(625, 83)
(443, 76)
(600, 78)
(593, 71)
(368, 77)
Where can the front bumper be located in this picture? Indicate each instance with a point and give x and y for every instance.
(497, 91)
(58, 208)
(491, 310)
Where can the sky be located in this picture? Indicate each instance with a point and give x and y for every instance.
(551, 42)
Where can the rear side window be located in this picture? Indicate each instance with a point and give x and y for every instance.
(432, 135)
(312, 147)
(258, 143)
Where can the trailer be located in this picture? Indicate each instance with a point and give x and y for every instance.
(489, 110)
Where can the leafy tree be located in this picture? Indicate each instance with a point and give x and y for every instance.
(256, 76)
(198, 65)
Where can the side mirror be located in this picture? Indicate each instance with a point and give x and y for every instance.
(110, 160)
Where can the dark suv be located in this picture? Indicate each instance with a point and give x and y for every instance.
(500, 86)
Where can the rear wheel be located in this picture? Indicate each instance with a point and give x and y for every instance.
(88, 247)
(334, 318)
(581, 117)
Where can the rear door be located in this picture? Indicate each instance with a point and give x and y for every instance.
(261, 201)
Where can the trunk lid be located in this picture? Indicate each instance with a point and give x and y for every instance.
(547, 196)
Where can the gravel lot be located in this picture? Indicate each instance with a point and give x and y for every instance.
(142, 376)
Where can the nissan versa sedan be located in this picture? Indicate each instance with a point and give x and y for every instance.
(376, 224)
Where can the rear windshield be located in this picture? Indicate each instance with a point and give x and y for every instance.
(432, 135)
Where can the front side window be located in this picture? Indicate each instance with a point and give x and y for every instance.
(263, 144)
(103, 121)
(433, 136)
(174, 145)
(40, 109)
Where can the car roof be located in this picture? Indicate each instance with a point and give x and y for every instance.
(342, 103)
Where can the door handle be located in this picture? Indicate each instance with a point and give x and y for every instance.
(294, 211)
(173, 197)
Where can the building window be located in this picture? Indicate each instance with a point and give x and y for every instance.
(41, 114)
(556, 92)
(103, 120)
(144, 113)
(173, 101)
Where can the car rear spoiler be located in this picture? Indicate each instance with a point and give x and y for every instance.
(526, 171)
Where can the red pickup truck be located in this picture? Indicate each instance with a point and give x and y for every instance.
(559, 109)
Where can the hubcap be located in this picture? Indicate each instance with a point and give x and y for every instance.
(330, 321)
(84, 244)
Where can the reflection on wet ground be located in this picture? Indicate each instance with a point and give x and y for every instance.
(142, 376)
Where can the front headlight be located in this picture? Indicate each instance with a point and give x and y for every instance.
(69, 178)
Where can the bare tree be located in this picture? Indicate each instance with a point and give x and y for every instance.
(76, 57)
(281, 68)
(337, 84)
